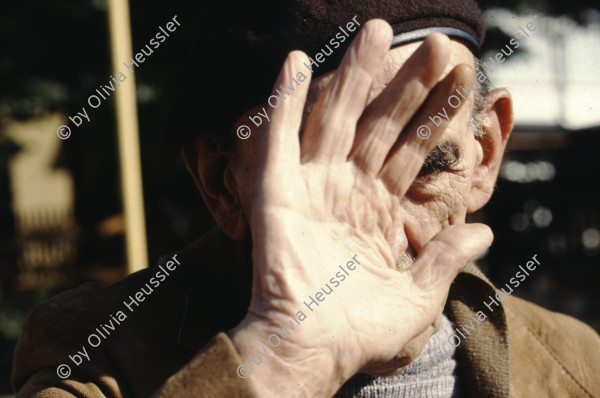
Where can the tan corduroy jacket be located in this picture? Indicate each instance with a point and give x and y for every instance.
(172, 344)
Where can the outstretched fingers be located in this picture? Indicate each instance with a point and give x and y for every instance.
(279, 145)
(406, 157)
(387, 116)
(329, 131)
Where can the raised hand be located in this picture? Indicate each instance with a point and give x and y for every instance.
(335, 194)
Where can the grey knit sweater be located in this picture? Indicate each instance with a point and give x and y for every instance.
(431, 375)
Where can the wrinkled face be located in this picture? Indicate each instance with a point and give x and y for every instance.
(440, 195)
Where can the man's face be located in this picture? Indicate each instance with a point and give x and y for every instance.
(458, 178)
(440, 196)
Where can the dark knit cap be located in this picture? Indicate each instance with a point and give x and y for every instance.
(240, 47)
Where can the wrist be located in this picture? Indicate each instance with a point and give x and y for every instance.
(279, 367)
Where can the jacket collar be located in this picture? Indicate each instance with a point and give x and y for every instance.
(483, 355)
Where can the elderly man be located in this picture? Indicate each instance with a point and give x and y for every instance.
(341, 265)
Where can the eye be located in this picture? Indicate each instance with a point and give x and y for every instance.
(432, 168)
(443, 157)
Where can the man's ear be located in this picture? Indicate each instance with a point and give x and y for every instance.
(210, 166)
(497, 123)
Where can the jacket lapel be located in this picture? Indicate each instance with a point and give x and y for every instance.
(484, 354)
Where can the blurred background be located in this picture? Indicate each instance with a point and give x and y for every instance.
(61, 212)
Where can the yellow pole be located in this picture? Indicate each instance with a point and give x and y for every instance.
(128, 138)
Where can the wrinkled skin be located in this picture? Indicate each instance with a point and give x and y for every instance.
(351, 186)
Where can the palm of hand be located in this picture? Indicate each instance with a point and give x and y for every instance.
(336, 195)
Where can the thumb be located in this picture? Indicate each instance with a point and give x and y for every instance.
(446, 254)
